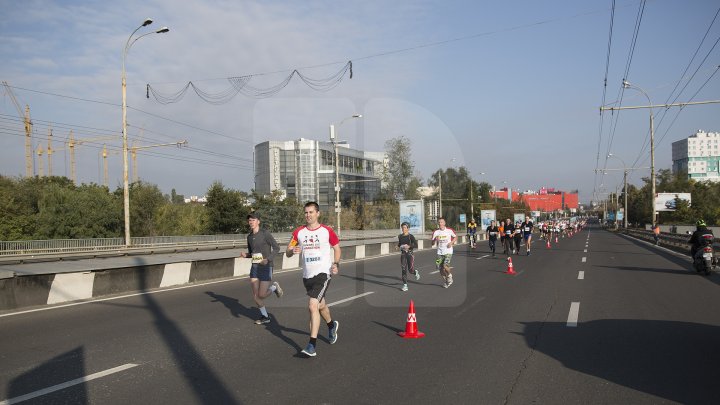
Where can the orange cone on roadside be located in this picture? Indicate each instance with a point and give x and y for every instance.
(510, 269)
(556, 239)
(411, 329)
(548, 243)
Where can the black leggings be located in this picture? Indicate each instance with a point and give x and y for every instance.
(407, 263)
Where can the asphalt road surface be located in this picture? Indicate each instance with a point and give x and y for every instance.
(596, 319)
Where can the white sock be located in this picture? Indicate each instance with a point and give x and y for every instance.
(263, 311)
(272, 288)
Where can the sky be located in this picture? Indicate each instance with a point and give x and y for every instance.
(510, 89)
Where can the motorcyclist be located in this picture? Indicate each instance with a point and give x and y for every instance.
(696, 240)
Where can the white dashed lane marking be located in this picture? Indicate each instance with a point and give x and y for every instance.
(581, 275)
(584, 259)
(572, 320)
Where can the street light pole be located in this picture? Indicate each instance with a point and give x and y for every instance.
(625, 190)
(333, 139)
(472, 206)
(627, 85)
(126, 186)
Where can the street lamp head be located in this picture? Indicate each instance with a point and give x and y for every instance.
(147, 22)
(162, 30)
(357, 116)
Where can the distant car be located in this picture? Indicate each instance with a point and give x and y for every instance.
(670, 204)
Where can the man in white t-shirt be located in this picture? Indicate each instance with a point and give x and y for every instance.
(445, 239)
(320, 248)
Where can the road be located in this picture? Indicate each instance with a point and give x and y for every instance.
(646, 332)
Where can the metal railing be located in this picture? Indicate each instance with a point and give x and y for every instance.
(60, 246)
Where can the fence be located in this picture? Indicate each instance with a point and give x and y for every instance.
(140, 244)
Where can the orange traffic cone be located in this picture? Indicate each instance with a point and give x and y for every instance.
(548, 243)
(556, 239)
(510, 267)
(411, 330)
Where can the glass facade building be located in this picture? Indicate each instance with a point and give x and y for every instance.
(305, 169)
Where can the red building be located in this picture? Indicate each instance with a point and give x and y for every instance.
(546, 200)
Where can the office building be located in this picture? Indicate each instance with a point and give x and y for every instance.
(698, 155)
(305, 169)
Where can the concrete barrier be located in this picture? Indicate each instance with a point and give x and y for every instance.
(23, 289)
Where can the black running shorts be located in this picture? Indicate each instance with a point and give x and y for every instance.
(317, 286)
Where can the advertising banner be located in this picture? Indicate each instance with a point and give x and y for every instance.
(519, 217)
(666, 201)
(485, 217)
(413, 212)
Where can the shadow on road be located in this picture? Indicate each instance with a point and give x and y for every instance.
(236, 309)
(50, 373)
(676, 361)
(198, 374)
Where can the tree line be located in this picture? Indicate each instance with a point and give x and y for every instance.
(705, 200)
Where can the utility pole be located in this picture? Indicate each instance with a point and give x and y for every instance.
(49, 152)
(40, 152)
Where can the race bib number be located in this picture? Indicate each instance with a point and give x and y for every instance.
(257, 258)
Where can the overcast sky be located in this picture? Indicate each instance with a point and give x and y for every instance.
(510, 88)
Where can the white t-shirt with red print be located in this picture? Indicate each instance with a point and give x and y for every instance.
(317, 252)
(444, 236)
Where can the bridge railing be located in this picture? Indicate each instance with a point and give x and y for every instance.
(147, 244)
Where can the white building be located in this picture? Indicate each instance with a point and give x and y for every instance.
(698, 155)
(305, 169)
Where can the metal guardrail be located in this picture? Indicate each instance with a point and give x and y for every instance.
(673, 239)
(138, 244)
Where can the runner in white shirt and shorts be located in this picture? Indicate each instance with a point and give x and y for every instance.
(320, 249)
(444, 238)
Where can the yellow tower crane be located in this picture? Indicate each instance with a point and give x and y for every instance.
(71, 144)
(104, 153)
(134, 149)
(28, 129)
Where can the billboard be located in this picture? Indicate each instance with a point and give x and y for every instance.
(413, 212)
(519, 217)
(485, 217)
(666, 201)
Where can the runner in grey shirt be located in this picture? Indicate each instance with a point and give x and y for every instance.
(262, 247)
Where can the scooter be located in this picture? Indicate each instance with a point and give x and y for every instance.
(705, 261)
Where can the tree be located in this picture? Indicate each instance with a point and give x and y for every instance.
(277, 213)
(400, 179)
(227, 209)
(182, 219)
(176, 198)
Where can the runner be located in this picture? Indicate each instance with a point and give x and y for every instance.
(472, 230)
(407, 243)
(501, 230)
(262, 247)
(492, 231)
(320, 248)
(527, 228)
(444, 238)
(509, 230)
(518, 237)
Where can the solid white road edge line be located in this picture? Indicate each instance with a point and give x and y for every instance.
(67, 384)
(573, 315)
(350, 298)
(581, 275)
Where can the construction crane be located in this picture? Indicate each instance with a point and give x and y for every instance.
(71, 144)
(104, 153)
(28, 129)
(134, 149)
